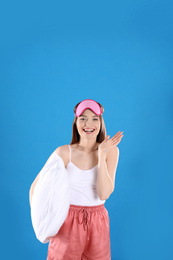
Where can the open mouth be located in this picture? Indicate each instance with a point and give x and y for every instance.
(88, 131)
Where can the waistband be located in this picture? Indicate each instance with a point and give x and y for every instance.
(88, 208)
(83, 216)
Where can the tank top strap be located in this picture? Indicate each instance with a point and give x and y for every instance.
(69, 153)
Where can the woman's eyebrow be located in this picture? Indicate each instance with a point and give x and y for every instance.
(92, 116)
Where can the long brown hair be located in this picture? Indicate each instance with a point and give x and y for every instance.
(102, 133)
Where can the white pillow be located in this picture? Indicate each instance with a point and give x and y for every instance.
(51, 199)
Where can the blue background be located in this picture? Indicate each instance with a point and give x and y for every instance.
(55, 54)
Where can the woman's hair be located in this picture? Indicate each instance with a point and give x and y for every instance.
(101, 135)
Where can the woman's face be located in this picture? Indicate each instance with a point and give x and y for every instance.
(88, 120)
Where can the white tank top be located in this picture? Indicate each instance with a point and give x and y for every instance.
(83, 185)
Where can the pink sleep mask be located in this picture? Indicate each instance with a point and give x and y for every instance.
(88, 103)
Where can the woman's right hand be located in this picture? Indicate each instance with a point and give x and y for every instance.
(48, 238)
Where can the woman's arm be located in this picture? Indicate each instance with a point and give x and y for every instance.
(107, 166)
(32, 188)
(108, 159)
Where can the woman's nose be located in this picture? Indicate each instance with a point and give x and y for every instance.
(87, 123)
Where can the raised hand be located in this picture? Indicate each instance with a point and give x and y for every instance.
(108, 144)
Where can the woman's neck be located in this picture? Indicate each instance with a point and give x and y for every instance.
(87, 145)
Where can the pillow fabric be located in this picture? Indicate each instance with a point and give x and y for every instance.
(51, 199)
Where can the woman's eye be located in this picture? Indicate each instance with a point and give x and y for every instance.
(93, 119)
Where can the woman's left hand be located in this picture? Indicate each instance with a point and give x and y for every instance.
(108, 144)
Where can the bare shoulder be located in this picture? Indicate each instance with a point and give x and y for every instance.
(63, 152)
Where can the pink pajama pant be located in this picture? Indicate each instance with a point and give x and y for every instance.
(84, 235)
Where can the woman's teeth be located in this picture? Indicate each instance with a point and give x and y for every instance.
(89, 131)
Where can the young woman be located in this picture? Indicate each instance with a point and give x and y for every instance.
(91, 160)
